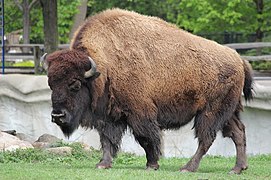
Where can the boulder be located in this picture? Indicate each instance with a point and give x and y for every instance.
(25, 137)
(10, 143)
(65, 150)
(46, 141)
(41, 145)
(47, 138)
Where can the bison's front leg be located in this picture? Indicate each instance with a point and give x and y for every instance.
(152, 150)
(148, 135)
(108, 152)
(110, 138)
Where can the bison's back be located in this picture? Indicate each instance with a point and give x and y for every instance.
(149, 60)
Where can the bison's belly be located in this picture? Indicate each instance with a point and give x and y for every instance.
(172, 117)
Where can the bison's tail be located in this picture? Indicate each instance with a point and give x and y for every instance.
(247, 89)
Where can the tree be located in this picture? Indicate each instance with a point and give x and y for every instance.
(147, 7)
(66, 11)
(197, 16)
(233, 15)
(260, 10)
(49, 9)
(79, 17)
(25, 6)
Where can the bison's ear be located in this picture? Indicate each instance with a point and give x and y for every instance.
(44, 62)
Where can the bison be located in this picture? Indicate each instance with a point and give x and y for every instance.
(126, 70)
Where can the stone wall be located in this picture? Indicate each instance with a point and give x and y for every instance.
(25, 106)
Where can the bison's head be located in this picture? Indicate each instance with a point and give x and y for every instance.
(70, 74)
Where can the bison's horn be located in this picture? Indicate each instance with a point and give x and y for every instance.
(43, 61)
(92, 70)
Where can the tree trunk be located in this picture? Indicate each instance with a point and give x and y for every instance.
(259, 6)
(259, 32)
(49, 10)
(26, 24)
(25, 7)
(79, 18)
(26, 21)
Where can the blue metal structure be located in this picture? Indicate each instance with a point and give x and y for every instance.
(2, 37)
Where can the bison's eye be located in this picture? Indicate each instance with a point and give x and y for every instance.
(75, 85)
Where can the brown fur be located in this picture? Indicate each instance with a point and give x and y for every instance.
(154, 76)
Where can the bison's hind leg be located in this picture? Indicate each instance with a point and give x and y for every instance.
(235, 129)
(208, 122)
(206, 135)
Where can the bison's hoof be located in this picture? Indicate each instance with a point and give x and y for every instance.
(152, 167)
(103, 166)
(238, 170)
(184, 170)
(187, 169)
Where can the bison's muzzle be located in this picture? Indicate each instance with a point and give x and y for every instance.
(59, 117)
(63, 120)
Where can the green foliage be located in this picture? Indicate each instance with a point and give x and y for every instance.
(25, 155)
(42, 156)
(154, 8)
(36, 35)
(13, 16)
(66, 10)
(198, 16)
(218, 16)
(261, 65)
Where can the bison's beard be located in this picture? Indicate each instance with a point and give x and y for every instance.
(68, 130)
(68, 124)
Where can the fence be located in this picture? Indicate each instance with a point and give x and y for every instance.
(15, 52)
(256, 45)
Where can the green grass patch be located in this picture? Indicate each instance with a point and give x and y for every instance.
(39, 164)
(24, 64)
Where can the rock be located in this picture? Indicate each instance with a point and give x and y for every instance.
(25, 137)
(11, 132)
(41, 145)
(65, 150)
(10, 143)
(48, 139)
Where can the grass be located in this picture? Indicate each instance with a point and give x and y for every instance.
(38, 164)
(25, 63)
